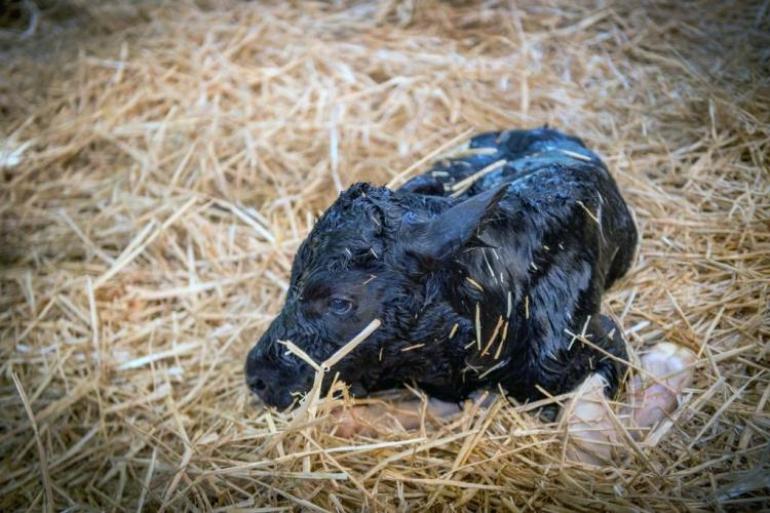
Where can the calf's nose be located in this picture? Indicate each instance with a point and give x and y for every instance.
(271, 385)
(273, 382)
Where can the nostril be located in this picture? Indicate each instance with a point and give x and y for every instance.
(258, 385)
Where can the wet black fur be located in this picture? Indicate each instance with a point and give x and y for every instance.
(549, 226)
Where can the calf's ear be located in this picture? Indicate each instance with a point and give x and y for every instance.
(435, 241)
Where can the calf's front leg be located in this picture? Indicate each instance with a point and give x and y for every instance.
(369, 419)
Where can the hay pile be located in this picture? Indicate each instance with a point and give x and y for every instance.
(161, 162)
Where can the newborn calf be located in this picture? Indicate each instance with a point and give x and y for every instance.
(482, 270)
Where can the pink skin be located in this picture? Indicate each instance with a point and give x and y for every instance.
(594, 431)
(371, 419)
(368, 420)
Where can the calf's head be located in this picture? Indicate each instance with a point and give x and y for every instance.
(368, 257)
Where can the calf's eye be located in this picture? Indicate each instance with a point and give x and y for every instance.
(340, 306)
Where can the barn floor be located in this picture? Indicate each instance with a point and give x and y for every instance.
(160, 162)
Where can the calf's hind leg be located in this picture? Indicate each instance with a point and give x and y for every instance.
(601, 349)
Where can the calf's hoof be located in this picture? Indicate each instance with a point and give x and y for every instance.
(592, 433)
(655, 395)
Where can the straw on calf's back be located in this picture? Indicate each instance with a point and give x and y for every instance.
(480, 270)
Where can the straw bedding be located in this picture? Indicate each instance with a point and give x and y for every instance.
(161, 163)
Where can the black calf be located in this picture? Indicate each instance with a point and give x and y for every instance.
(479, 270)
